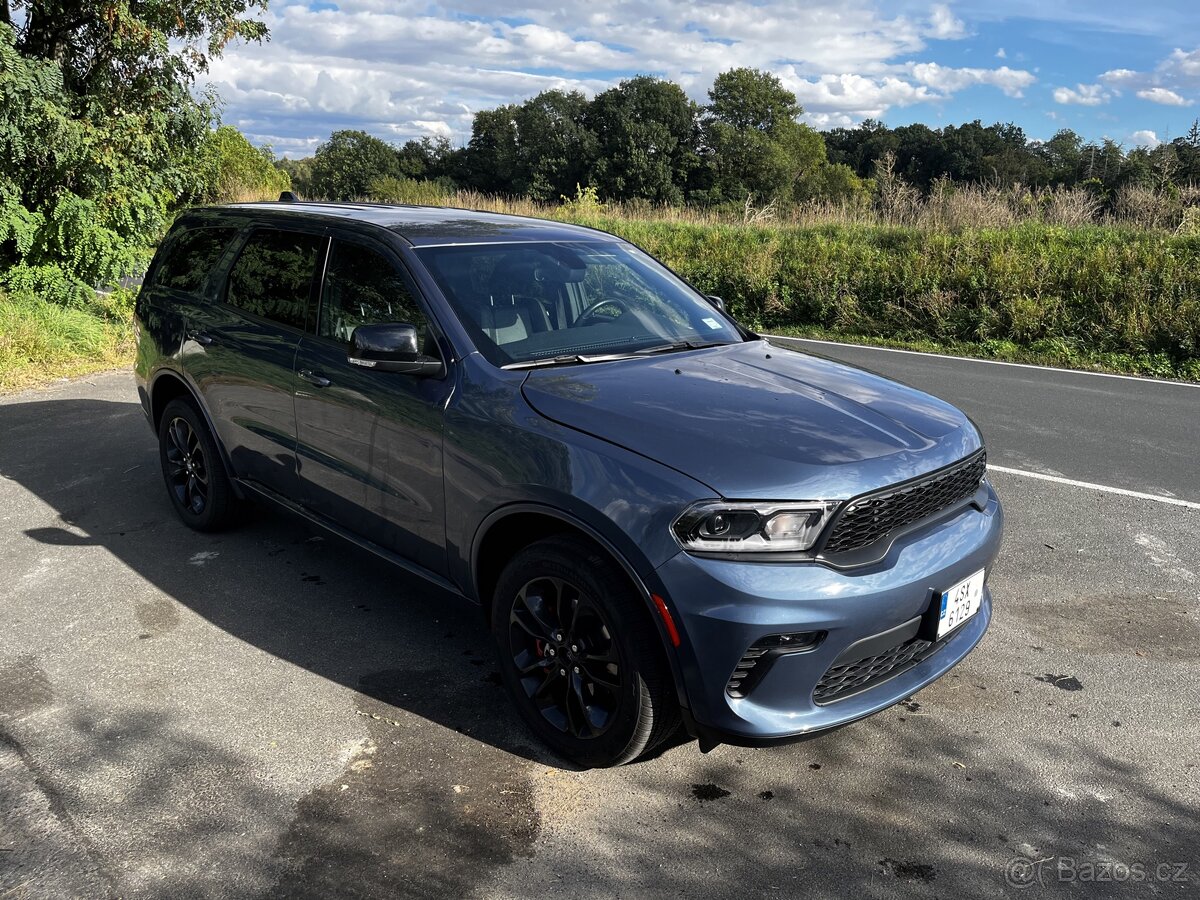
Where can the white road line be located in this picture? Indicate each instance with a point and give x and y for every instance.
(1157, 498)
(990, 362)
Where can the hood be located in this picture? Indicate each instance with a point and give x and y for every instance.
(759, 422)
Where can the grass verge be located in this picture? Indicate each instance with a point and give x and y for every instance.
(1063, 357)
(41, 341)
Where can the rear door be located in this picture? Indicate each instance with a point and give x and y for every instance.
(370, 443)
(240, 351)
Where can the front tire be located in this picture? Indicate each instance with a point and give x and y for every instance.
(579, 655)
(195, 476)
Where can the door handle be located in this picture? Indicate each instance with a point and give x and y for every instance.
(200, 338)
(313, 378)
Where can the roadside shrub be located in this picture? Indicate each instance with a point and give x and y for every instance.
(1083, 290)
(232, 170)
(401, 189)
(585, 205)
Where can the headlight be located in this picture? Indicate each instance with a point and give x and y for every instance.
(719, 526)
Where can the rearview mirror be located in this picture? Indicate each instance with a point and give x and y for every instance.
(717, 302)
(391, 348)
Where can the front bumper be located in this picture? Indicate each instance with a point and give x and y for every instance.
(724, 607)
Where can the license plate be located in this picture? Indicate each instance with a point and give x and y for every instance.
(960, 603)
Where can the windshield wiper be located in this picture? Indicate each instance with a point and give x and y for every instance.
(566, 359)
(680, 345)
(572, 359)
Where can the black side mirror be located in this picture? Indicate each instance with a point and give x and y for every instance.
(391, 348)
(717, 302)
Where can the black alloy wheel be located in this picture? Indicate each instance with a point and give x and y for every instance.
(199, 488)
(580, 654)
(563, 650)
(187, 473)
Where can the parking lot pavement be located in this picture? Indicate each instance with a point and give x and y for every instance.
(268, 713)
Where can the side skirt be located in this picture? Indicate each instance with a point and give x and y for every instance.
(259, 490)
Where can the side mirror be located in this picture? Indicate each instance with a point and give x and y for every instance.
(391, 348)
(717, 302)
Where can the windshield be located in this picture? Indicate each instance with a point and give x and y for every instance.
(530, 303)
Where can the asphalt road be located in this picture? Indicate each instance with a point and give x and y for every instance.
(1133, 433)
(266, 713)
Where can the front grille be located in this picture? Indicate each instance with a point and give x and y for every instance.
(874, 517)
(851, 678)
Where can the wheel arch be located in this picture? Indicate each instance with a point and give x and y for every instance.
(530, 522)
(168, 385)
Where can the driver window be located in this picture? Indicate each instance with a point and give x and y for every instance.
(363, 287)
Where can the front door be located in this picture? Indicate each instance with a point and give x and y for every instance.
(369, 443)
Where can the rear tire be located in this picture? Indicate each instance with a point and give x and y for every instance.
(199, 488)
(578, 653)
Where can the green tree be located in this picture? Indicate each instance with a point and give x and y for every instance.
(646, 140)
(430, 158)
(233, 169)
(299, 171)
(99, 129)
(344, 167)
(490, 157)
(757, 146)
(554, 146)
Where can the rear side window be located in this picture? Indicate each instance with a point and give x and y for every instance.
(190, 258)
(273, 275)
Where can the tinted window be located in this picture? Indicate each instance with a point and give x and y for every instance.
(363, 287)
(525, 302)
(273, 275)
(190, 258)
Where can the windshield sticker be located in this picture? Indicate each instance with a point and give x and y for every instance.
(711, 323)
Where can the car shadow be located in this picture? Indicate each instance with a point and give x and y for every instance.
(905, 804)
(273, 581)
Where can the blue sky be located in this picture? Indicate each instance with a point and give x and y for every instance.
(407, 68)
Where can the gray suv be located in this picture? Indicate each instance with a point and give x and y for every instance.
(668, 521)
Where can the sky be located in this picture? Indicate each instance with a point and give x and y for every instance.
(402, 69)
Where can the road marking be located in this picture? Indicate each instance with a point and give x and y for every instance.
(990, 362)
(1157, 498)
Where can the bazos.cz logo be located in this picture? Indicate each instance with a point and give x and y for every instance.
(1024, 871)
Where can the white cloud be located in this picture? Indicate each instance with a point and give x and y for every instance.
(944, 25)
(408, 68)
(1184, 64)
(947, 80)
(1144, 139)
(1164, 96)
(1001, 54)
(853, 96)
(1082, 95)
(1172, 80)
(1119, 76)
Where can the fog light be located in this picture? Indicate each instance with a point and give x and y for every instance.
(761, 655)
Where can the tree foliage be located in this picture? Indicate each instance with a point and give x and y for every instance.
(345, 165)
(232, 169)
(758, 148)
(100, 133)
(646, 131)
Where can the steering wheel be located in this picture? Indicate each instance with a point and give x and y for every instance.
(591, 310)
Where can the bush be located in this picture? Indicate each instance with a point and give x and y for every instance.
(234, 170)
(1092, 289)
(418, 192)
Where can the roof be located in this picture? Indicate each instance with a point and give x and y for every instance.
(431, 225)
